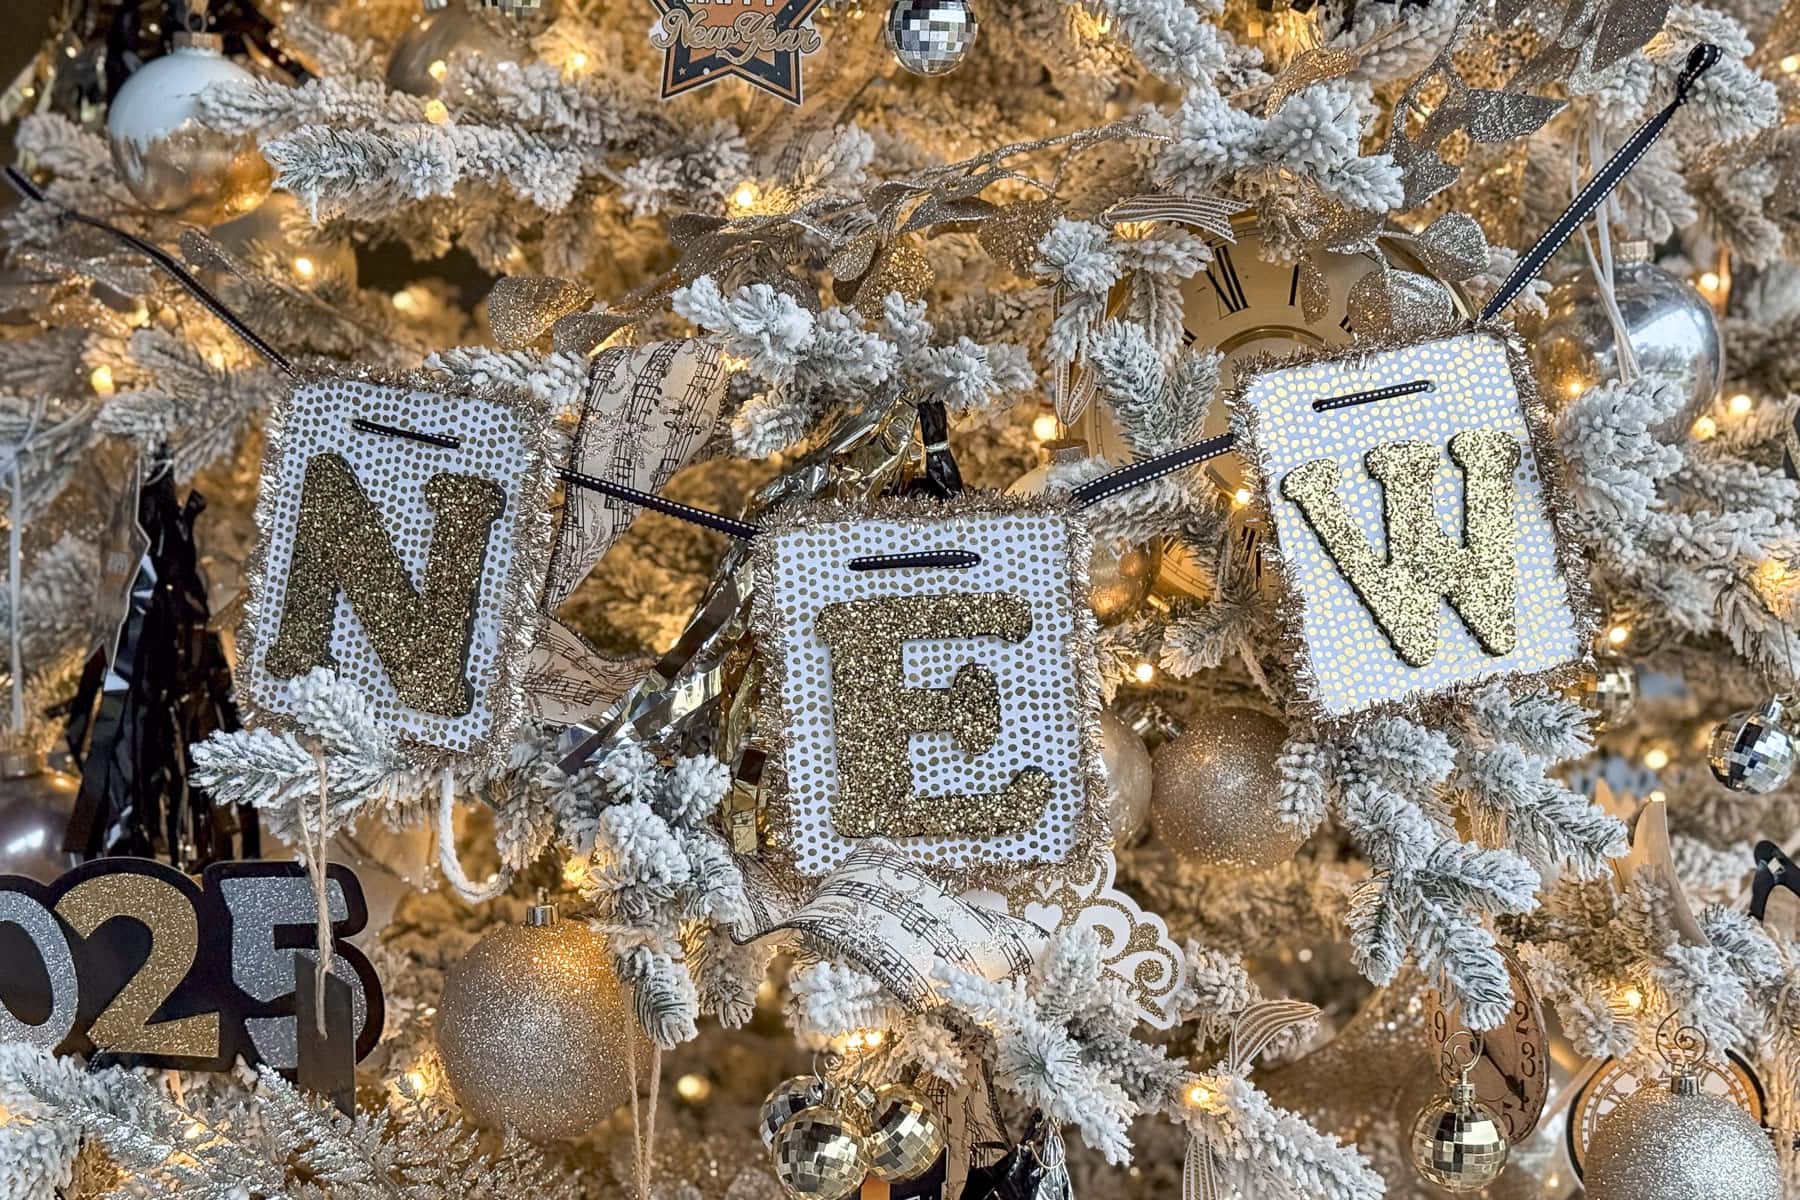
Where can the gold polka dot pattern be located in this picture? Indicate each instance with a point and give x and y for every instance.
(1041, 669)
(501, 453)
(1352, 664)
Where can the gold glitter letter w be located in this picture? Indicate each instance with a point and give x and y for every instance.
(877, 714)
(340, 545)
(1424, 566)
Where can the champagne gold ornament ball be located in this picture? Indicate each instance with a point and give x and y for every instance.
(532, 1029)
(1662, 1145)
(1213, 797)
(1120, 579)
(1127, 765)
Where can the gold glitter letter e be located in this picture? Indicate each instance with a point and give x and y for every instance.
(1424, 566)
(877, 714)
(340, 545)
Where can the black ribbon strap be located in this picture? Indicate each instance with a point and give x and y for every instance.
(1139, 473)
(1700, 60)
(167, 263)
(704, 518)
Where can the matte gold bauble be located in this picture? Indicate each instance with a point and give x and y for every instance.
(166, 157)
(1664, 1144)
(1127, 765)
(1213, 801)
(532, 1029)
(819, 1155)
(905, 1135)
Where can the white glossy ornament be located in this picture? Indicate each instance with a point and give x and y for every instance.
(1128, 769)
(170, 161)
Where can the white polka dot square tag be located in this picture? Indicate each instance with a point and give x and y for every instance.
(932, 683)
(404, 541)
(1415, 519)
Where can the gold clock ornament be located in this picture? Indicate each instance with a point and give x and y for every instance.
(1245, 305)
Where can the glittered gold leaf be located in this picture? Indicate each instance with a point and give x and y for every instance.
(1425, 175)
(1398, 303)
(902, 269)
(1307, 68)
(852, 259)
(1454, 246)
(1624, 27)
(1012, 235)
(936, 211)
(582, 333)
(1315, 290)
(522, 308)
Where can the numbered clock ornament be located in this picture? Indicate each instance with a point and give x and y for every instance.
(142, 964)
(1511, 1076)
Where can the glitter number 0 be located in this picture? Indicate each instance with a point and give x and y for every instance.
(35, 920)
(124, 1026)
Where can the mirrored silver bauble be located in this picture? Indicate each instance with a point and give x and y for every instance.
(1127, 766)
(168, 160)
(819, 1155)
(1671, 329)
(930, 37)
(1609, 691)
(531, 1029)
(421, 57)
(1751, 752)
(790, 1098)
(35, 805)
(905, 1135)
(1667, 1143)
(1458, 1142)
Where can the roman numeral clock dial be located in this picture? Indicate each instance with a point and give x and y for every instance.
(1244, 305)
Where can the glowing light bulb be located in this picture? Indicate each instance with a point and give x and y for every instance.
(1633, 999)
(1740, 404)
(101, 380)
(438, 69)
(746, 194)
(1709, 282)
(695, 1089)
(303, 266)
(1656, 758)
(1242, 497)
(1144, 672)
(404, 301)
(1791, 63)
(1196, 1095)
(436, 112)
(578, 62)
(1617, 634)
(873, 1037)
(1705, 428)
(216, 358)
(1045, 427)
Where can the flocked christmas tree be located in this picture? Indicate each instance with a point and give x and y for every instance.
(666, 517)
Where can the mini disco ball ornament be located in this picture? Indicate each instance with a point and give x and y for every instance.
(819, 1155)
(1458, 1142)
(790, 1098)
(1672, 331)
(1751, 752)
(930, 37)
(905, 1136)
(1609, 691)
(168, 160)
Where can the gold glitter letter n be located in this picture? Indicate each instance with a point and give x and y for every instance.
(1424, 566)
(877, 714)
(340, 545)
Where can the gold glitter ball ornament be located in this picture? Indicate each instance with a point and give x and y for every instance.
(1128, 770)
(168, 160)
(1678, 1143)
(905, 1135)
(531, 1029)
(1212, 800)
(1458, 1142)
(819, 1155)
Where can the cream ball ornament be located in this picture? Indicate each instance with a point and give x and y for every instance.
(166, 157)
(1676, 1142)
(1128, 770)
(532, 1029)
(1213, 798)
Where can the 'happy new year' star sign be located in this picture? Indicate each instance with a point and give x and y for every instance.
(760, 41)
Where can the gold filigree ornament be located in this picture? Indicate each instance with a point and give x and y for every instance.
(930, 680)
(404, 535)
(1413, 490)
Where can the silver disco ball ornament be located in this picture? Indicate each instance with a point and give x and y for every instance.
(1458, 1142)
(905, 1134)
(421, 58)
(35, 806)
(1671, 329)
(1609, 691)
(168, 160)
(930, 37)
(819, 1155)
(790, 1098)
(1751, 752)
